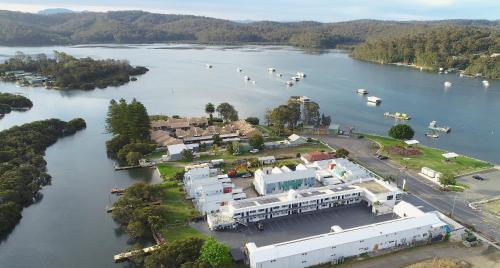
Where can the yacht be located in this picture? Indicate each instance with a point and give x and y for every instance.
(362, 91)
(271, 70)
(246, 78)
(295, 78)
(289, 83)
(301, 75)
(209, 66)
(239, 70)
(447, 84)
(374, 99)
(433, 126)
(279, 75)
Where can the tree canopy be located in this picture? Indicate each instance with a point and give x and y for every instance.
(227, 112)
(215, 253)
(67, 72)
(401, 132)
(8, 102)
(23, 170)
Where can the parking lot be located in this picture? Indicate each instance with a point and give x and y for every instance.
(482, 189)
(296, 226)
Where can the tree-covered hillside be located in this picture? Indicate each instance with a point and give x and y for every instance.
(466, 48)
(142, 27)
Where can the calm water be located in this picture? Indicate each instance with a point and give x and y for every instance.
(69, 227)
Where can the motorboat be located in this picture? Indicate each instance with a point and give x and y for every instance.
(447, 84)
(398, 116)
(486, 83)
(433, 126)
(246, 78)
(362, 91)
(373, 99)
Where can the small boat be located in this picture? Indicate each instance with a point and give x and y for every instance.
(246, 78)
(447, 84)
(289, 83)
(362, 91)
(254, 82)
(271, 70)
(433, 126)
(430, 135)
(279, 75)
(239, 70)
(486, 83)
(295, 78)
(398, 116)
(209, 66)
(374, 99)
(461, 75)
(301, 74)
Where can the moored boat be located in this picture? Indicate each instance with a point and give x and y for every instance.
(398, 116)
(433, 126)
(448, 84)
(486, 83)
(362, 91)
(373, 99)
(430, 135)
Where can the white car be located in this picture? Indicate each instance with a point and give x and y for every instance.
(254, 151)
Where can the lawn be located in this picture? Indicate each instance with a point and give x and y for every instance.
(280, 152)
(180, 211)
(431, 158)
(168, 170)
(493, 207)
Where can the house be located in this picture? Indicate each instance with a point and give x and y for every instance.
(295, 139)
(277, 180)
(312, 157)
(266, 160)
(174, 151)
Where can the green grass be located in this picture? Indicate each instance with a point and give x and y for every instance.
(168, 170)
(180, 211)
(431, 158)
(155, 155)
(492, 207)
(289, 152)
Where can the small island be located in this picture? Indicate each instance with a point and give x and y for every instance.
(9, 102)
(63, 71)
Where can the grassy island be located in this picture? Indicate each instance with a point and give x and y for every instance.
(63, 71)
(23, 170)
(9, 102)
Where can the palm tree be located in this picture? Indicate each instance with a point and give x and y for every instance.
(210, 109)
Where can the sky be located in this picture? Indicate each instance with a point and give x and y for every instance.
(284, 10)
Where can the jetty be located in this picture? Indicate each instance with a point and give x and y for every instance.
(135, 253)
(398, 116)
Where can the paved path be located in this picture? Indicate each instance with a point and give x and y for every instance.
(420, 191)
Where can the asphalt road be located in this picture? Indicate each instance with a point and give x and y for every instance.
(420, 191)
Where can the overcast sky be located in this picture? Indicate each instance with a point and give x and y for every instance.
(285, 10)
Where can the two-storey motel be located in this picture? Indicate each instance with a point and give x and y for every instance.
(377, 194)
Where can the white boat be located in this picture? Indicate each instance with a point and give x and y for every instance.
(301, 75)
(373, 99)
(209, 66)
(362, 91)
(239, 70)
(271, 70)
(397, 115)
(486, 83)
(254, 82)
(447, 84)
(289, 83)
(430, 135)
(279, 75)
(433, 126)
(461, 75)
(246, 78)
(295, 78)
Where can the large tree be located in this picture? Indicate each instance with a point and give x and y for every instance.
(401, 132)
(215, 253)
(210, 109)
(256, 141)
(227, 112)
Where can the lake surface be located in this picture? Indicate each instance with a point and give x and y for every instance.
(70, 228)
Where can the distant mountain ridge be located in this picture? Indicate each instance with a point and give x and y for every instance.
(52, 11)
(64, 28)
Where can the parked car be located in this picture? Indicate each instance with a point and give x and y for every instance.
(254, 151)
(246, 175)
(477, 177)
(260, 226)
(382, 157)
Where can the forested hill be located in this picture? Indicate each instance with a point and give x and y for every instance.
(471, 49)
(142, 27)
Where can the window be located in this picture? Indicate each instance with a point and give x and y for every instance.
(261, 210)
(390, 197)
(273, 260)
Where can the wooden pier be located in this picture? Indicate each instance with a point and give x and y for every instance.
(135, 253)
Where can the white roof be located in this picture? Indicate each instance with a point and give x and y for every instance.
(294, 137)
(176, 148)
(412, 142)
(450, 155)
(266, 158)
(313, 243)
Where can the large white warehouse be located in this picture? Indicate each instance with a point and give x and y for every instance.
(333, 247)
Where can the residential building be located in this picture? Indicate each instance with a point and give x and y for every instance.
(276, 180)
(312, 157)
(308, 200)
(174, 152)
(334, 247)
(295, 139)
(266, 160)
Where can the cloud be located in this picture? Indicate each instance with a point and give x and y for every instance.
(436, 3)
